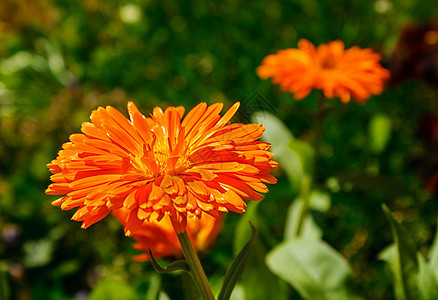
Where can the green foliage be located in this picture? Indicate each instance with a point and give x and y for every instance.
(309, 228)
(113, 290)
(244, 232)
(250, 287)
(154, 288)
(402, 261)
(433, 255)
(279, 136)
(414, 278)
(312, 267)
(319, 202)
(295, 156)
(237, 268)
(4, 282)
(427, 280)
(380, 132)
(61, 59)
(256, 269)
(179, 265)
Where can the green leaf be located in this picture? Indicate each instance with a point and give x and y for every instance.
(18, 62)
(4, 282)
(238, 293)
(379, 132)
(427, 280)
(257, 269)
(243, 231)
(388, 253)
(280, 137)
(163, 296)
(305, 154)
(309, 230)
(313, 268)
(113, 290)
(179, 265)
(154, 287)
(66, 268)
(276, 131)
(433, 255)
(55, 62)
(403, 261)
(318, 201)
(38, 253)
(237, 267)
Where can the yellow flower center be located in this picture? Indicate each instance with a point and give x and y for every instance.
(328, 62)
(158, 161)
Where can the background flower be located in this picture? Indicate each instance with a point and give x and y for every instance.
(161, 239)
(337, 72)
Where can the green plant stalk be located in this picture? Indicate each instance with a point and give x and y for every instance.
(196, 269)
(305, 198)
(319, 121)
(307, 181)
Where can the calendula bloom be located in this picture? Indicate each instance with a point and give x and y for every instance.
(338, 72)
(162, 164)
(161, 239)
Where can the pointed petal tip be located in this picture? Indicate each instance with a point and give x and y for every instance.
(235, 106)
(131, 106)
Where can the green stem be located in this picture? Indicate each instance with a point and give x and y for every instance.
(304, 197)
(319, 120)
(196, 270)
(307, 180)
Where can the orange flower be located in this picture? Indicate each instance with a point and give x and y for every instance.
(161, 239)
(161, 165)
(329, 67)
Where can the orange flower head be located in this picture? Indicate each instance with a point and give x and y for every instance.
(162, 164)
(337, 72)
(161, 239)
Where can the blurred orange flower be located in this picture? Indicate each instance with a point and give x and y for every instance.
(337, 72)
(161, 239)
(161, 164)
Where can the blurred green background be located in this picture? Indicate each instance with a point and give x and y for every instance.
(61, 59)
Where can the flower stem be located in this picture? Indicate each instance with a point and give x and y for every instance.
(306, 184)
(196, 270)
(319, 120)
(305, 202)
